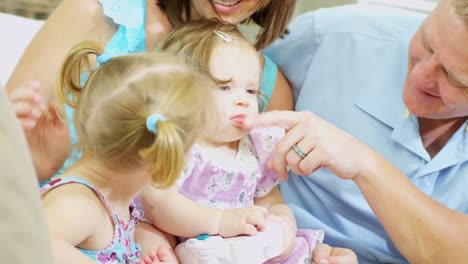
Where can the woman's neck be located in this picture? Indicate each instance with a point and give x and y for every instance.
(157, 24)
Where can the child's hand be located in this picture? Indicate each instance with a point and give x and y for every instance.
(289, 238)
(242, 221)
(161, 255)
(27, 104)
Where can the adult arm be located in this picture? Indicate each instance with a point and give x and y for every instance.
(276, 206)
(274, 85)
(71, 22)
(282, 96)
(172, 216)
(22, 225)
(423, 230)
(46, 133)
(279, 211)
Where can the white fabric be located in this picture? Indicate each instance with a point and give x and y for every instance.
(16, 33)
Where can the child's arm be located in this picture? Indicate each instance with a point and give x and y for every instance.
(176, 214)
(278, 210)
(73, 213)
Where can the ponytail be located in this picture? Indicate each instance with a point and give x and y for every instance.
(69, 86)
(111, 110)
(167, 154)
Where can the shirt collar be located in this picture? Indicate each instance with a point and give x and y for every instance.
(383, 97)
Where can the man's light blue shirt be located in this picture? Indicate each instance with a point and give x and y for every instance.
(348, 66)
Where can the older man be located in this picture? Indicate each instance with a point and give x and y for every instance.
(399, 84)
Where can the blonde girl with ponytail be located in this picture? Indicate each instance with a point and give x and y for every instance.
(136, 117)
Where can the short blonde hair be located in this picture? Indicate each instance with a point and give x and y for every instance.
(111, 109)
(461, 9)
(194, 42)
(272, 16)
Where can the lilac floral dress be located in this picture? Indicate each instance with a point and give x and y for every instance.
(123, 249)
(235, 183)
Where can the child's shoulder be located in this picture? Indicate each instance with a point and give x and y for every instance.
(72, 200)
(73, 212)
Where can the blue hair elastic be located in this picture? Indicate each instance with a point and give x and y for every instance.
(151, 122)
(103, 58)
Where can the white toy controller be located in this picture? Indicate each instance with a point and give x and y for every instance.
(234, 250)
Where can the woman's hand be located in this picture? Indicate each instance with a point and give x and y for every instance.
(289, 237)
(47, 135)
(27, 104)
(49, 143)
(324, 254)
(242, 221)
(280, 213)
(318, 144)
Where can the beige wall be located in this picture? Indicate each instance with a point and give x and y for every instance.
(307, 5)
(301, 7)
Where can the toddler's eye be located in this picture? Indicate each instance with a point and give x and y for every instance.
(252, 91)
(225, 88)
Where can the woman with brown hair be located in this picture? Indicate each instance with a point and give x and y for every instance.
(124, 27)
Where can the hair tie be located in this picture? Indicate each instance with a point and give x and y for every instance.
(223, 36)
(103, 58)
(151, 122)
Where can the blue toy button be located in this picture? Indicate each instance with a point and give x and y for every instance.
(203, 236)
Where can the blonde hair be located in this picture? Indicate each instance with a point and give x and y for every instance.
(194, 42)
(461, 9)
(111, 109)
(272, 16)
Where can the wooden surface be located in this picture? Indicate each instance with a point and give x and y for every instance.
(38, 9)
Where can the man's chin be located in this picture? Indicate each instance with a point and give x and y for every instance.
(416, 107)
(430, 114)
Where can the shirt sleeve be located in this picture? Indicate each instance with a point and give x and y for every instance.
(130, 16)
(264, 140)
(267, 84)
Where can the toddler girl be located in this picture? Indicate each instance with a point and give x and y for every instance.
(136, 116)
(226, 175)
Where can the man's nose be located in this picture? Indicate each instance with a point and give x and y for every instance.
(426, 72)
(430, 67)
